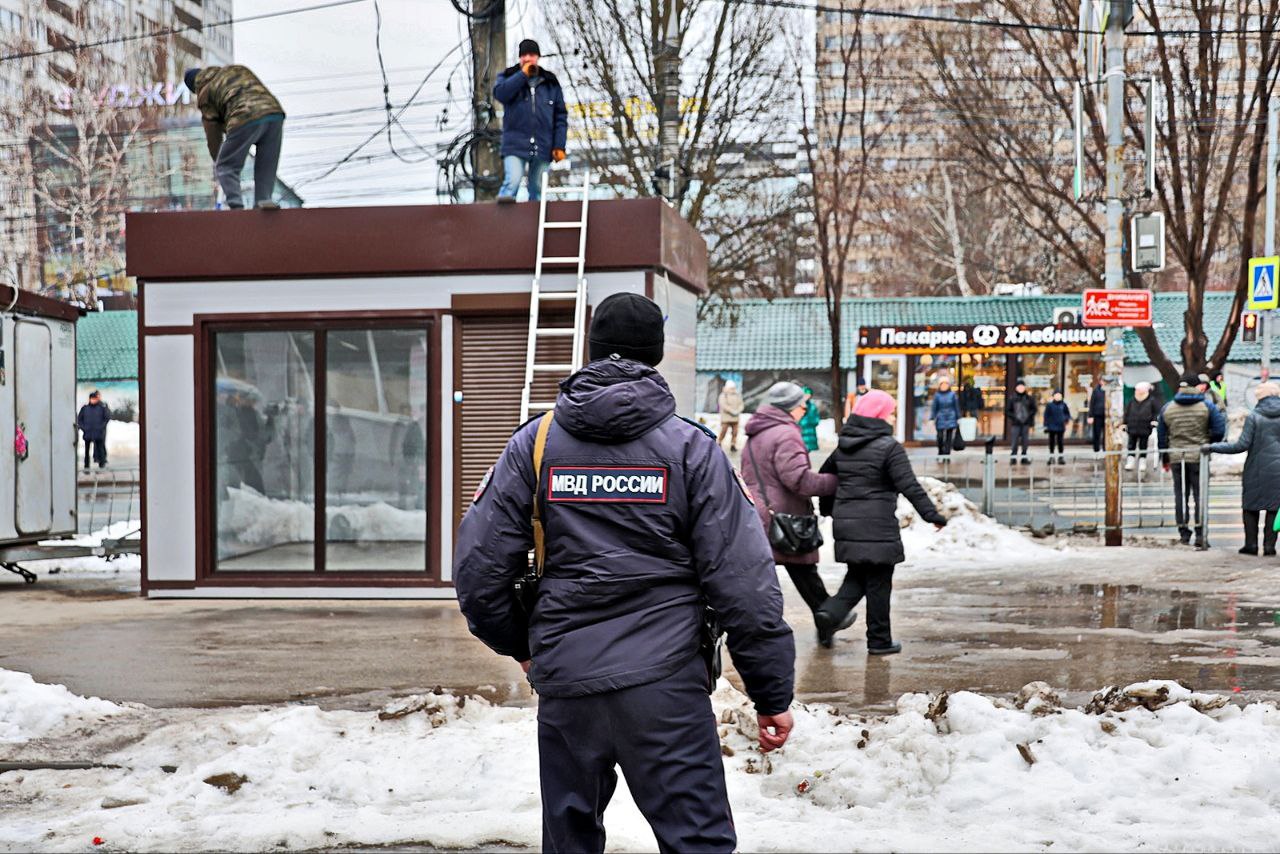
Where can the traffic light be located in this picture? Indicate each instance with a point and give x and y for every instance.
(1249, 327)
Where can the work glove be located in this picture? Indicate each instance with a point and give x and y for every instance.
(557, 154)
(528, 68)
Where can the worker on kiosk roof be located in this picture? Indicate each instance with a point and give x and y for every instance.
(535, 122)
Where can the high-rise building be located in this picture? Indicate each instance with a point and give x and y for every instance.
(119, 107)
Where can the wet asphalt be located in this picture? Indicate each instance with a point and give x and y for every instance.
(1091, 618)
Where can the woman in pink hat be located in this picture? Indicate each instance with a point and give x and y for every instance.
(873, 469)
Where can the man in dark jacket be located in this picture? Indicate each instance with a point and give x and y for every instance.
(646, 524)
(92, 421)
(873, 469)
(1057, 415)
(535, 122)
(239, 113)
(970, 400)
(1187, 422)
(1021, 412)
(1097, 416)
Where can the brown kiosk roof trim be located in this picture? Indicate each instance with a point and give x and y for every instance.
(30, 303)
(622, 234)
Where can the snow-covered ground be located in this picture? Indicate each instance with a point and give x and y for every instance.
(1152, 766)
(124, 445)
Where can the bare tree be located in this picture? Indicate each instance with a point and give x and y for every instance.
(1215, 65)
(730, 184)
(843, 124)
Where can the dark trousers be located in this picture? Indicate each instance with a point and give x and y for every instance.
(663, 736)
(1139, 443)
(875, 582)
(1251, 519)
(98, 448)
(806, 579)
(265, 137)
(946, 438)
(1186, 489)
(1019, 434)
(1098, 430)
(1055, 441)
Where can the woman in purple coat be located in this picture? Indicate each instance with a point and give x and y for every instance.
(776, 466)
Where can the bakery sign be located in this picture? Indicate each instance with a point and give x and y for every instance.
(981, 338)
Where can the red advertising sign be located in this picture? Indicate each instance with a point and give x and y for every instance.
(1116, 308)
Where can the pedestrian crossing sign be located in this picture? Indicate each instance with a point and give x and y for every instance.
(1263, 293)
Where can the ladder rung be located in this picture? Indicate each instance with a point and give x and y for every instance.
(566, 259)
(562, 191)
(556, 332)
(558, 295)
(562, 225)
(542, 405)
(544, 368)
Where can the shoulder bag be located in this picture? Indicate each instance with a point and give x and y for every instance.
(788, 533)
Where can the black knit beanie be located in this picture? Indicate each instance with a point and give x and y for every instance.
(628, 325)
(529, 46)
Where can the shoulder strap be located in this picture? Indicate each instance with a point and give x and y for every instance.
(539, 448)
(764, 490)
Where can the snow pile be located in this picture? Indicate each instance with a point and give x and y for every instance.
(958, 771)
(124, 447)
(30, 709)
(120, 564)
(969, 534)
(254, 519)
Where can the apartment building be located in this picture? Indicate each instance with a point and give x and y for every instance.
(42, 86)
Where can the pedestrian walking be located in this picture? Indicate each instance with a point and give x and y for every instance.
(1218, 385)
(239, 112)
(637, 523)
(1140, 416)
(1260, 486)
(777, 469)
(971, 402)
(731, 405)
(1097, 416)
(535, 122)
(1057, 415)
(1185, 424)
(945, 413)
(1021, 412)
(850, 400)
(873, 469)
(809, 421)
(92, 419)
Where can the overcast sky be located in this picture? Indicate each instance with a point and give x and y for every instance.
(326, 61)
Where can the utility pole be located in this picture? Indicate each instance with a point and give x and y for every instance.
(1273, 121)
(488, 57)
(1113, 356)
(666, 63)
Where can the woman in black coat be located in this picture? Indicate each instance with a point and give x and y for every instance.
(873, 469)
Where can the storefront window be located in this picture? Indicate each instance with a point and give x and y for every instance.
(1042, 372)
(265, 438)
(988, 374)
(929, 371)
(1082, 368)
(265, 454)
(375, 449)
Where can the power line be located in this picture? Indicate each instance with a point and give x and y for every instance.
(171, 31)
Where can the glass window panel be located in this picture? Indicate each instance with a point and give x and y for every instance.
(930, 370)
(376, 460)
(1082, 369)
(264, 412)
(987, 372)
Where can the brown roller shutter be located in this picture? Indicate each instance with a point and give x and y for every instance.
(491, 357)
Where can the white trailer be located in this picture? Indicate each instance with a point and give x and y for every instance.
(38, 436)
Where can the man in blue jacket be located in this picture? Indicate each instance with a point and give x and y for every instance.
(535, 122)
(92, 421)
(646, 524)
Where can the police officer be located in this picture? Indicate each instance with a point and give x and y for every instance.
(646, 524)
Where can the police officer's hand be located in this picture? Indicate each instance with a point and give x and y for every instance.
(781, 726)
(525, 665)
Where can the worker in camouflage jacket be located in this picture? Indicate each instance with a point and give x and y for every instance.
(239, 113)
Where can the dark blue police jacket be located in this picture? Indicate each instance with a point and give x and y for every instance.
(645, 522)
(534, 119)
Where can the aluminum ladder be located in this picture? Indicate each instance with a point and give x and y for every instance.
(537, 332)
